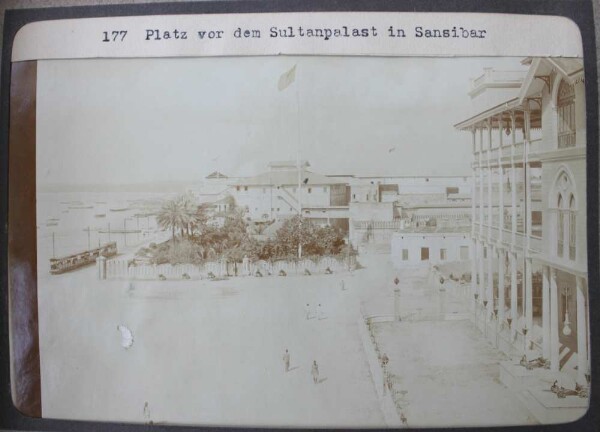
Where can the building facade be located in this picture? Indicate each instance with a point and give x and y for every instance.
(424, 247)
(528, 234)
(286, 189)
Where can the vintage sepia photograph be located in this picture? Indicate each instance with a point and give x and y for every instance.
(313, 241)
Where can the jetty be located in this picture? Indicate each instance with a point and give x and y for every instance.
(81, 259)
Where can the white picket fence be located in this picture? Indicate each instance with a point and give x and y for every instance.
(123, 269)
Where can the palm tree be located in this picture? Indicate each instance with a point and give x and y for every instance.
(188, 212)
(170, 216)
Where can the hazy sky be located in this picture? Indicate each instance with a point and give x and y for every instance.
(151, 120)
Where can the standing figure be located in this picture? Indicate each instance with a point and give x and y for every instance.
(315, 372)
(343, 285)
(320, 314)
(286, 360)
(384, 359)
(307, 310)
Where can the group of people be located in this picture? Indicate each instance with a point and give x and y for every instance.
(309, 313)
(314, 369)
(319, 312)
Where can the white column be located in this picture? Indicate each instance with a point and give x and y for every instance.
(554, 324)
(474, 258)
(513, 292)
(491, 253)
(528, 299)
(582, 362)
(489, 181)
(474, 254)
(501, 305)
(490, 249)
(500, 183)
(513, 175)
(481, 201)
(527, 176)
(473, 180)
(481, 274)
(546, 312)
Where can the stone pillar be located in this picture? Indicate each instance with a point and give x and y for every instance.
(582, 362)
(528, 298)
(501, 305)
(101, 266)
(554, 322)
(513, 293)
(546, 312)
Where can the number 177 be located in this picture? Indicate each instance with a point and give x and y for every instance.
(114, 36)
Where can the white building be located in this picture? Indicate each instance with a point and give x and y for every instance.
(422, 247)
(276, 193)
(529, 210)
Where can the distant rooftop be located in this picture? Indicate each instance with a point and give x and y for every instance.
(216, 175)
(287, 177)
(290, 164)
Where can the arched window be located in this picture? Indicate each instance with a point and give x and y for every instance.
(572, 228)
(566, 115)
(566, 217)
(561, 227)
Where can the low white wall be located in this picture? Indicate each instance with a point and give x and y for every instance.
(123, 269)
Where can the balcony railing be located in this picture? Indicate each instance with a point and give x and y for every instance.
(505, 236)
(506, 152)
(566, 140)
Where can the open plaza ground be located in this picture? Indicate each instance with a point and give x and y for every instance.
(211, 352)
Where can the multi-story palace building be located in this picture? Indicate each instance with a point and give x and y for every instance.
(529, 209)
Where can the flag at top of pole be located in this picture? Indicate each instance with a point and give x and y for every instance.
(287, 79)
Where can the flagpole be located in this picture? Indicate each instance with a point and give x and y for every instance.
(284, 82)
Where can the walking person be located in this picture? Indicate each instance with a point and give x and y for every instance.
(343, 285)
(384, 361)
(315, 372)
(286, 360)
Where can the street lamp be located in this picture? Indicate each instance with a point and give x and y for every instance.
(496, 324)
(485, 302)
(476, 297)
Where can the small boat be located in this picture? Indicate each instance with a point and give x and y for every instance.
(120, 209)
(80, 207)
(100, 215)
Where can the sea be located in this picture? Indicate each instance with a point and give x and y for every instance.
(72, 222)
